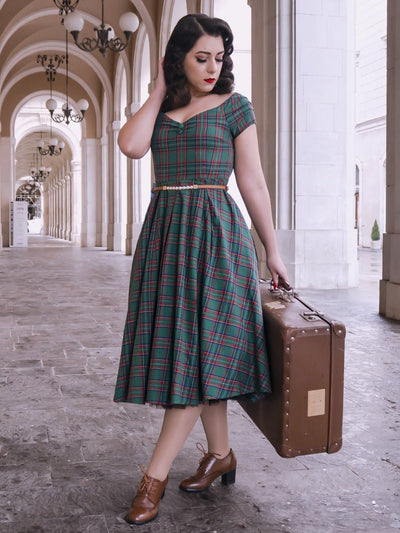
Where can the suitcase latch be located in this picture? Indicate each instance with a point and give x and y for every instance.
(311, 316)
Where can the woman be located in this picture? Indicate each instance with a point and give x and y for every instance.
(194, 334)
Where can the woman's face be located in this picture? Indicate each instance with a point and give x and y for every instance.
(203, 63)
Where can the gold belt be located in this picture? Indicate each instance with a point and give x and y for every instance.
(184, 187)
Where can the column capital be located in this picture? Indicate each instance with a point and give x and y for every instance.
(131, 109)
(115, 125)
(75, 166)
(87, 141)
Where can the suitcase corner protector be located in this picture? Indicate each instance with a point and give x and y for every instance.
(335, 446)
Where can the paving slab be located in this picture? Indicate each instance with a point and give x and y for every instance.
(69, 456)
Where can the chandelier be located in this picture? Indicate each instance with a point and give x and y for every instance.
(52, 66)
(67, 114)
(53, 148)
(66, 6)
(128, 23)
(40, 174)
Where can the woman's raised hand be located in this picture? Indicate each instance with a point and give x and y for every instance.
(160, 84)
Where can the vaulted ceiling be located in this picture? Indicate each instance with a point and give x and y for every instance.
(30, 28)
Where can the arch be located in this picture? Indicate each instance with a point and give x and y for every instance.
(120, 173)
(8, 87)
(151, 32)
(19, 21)
(22, 19)
(122, 71)
(165, 26)
(137, 64)
(65, 133)
(57, 46)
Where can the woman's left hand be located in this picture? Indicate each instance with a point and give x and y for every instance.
(277, 269)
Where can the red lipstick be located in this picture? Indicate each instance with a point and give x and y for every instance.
(210, 80)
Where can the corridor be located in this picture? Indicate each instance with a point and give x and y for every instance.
(69, 457)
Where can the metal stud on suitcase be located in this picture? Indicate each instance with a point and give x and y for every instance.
(303, 415)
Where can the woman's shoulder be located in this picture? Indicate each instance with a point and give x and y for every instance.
(237, 100)
(237, 103)
(239, 113)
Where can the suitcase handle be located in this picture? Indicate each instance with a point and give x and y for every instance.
(284, 290)
(282, 284)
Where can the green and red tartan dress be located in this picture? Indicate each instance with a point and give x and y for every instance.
(194, 329)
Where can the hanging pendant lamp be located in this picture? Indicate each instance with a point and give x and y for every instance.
(67, 114)
(104, 39)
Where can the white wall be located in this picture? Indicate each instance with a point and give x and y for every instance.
(370, 75)
(371, 59)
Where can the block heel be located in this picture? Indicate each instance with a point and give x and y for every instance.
(229, 477)
(210, 468)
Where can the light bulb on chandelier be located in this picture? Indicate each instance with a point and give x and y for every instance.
(67, 114)
(105, 38)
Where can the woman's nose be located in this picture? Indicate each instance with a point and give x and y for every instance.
(212, 66)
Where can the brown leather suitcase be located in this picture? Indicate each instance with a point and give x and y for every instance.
(303, 415)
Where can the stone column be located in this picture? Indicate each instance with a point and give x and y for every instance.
(303, 62)
(6, 188)
(129, 207)
(389, 303)
(63, 208)
(104, 190)
(76, 196)
(99, 194)
(45, 208)
(114, 220)
(57, 208)
(50, 207)
(133, 193)
(52, 211)
(68, 206)
(65, 202)
(264, 18)
(91, 190)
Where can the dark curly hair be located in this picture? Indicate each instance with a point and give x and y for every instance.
(184, 36)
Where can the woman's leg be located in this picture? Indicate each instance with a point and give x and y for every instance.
(215, 422)
(176, 427)
(219, 460)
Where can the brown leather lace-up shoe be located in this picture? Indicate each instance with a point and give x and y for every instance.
(210, 468)
(145, 504)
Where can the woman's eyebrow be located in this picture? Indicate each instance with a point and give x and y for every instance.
(209, 53)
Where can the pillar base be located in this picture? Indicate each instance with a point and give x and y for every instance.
(136, 229)
(389, 301)
(76, 239)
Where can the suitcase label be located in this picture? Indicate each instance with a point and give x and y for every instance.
(275, 305)
(316, 402)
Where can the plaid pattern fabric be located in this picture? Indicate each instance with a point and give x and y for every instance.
(194, 328)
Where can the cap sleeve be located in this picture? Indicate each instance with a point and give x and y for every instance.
(240, 114)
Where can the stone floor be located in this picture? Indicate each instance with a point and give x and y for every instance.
(69, 457)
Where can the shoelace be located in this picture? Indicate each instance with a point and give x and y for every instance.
(146, 483)
(206, 456)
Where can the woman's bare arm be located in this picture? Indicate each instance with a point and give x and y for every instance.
(252, 187)
(135, 136)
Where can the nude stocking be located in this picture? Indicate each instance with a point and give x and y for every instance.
(214, 417)
(177, 425)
